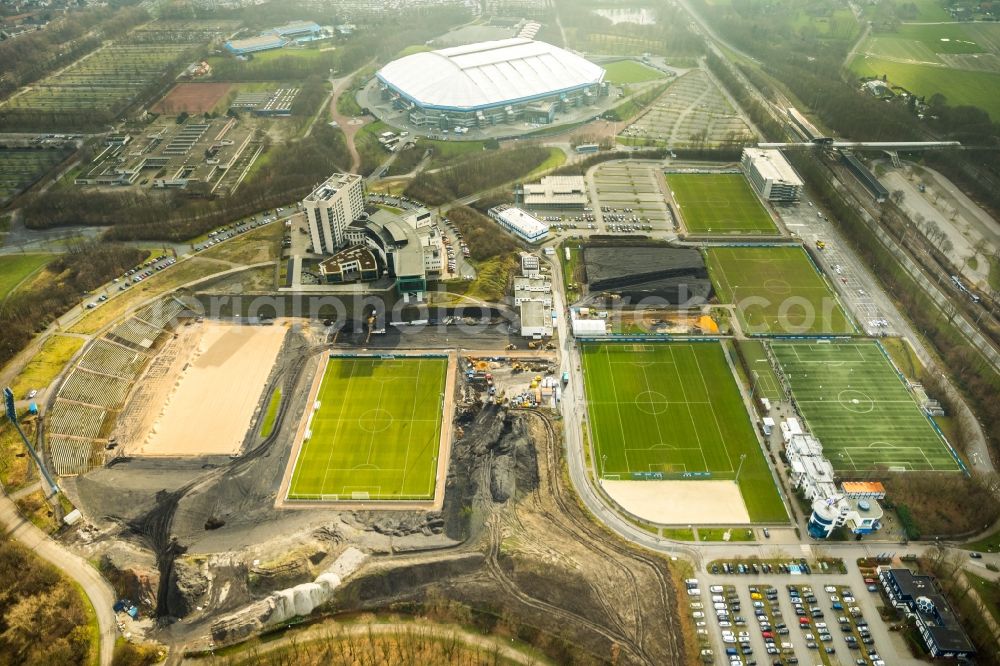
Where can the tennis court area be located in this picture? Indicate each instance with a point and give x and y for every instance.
(852, 400)
(674, 411)
(376, 433)
(719, 203)
(776, 290)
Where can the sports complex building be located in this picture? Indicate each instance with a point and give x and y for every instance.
(490, 83)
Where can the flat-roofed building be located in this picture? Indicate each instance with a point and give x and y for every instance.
(255, 44)
(771, 175)
(356, 263)
(556, 192)
(331, 208)
(519, 222)
(536, 320)
(532, 289)
(919, 598)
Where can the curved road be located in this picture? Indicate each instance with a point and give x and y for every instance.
(101, 595)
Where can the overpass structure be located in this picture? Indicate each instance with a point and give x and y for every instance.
(893, 146)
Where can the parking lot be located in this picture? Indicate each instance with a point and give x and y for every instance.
(842, 266)
(777, 619)
(629, 197)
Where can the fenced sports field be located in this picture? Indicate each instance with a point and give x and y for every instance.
(776, 290)
(853, 400)
(674, 411)
(377, 431)
(719, 203)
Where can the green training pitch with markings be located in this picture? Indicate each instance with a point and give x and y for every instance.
(864, 416)
(776, 290)
(675, 408)
(719, 203)
(376, 433)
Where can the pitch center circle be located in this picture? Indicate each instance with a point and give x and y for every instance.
(375, 420)
(777, 286)
(651, 402)
(856, 401)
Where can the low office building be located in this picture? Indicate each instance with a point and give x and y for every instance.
(556, 192)
(918, 597)
(520, 223)
(536, 320)
(771, 175)
(854, 506)
(532, 289)
(356, 263)
(531, 266)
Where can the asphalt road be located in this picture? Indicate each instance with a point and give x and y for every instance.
(94, 585)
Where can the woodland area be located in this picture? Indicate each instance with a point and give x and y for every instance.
(82, 268)
(43, 618)
(476, 174)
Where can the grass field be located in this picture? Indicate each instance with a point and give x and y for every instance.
(719, 204)
(675, 408)
(776, 290)
(855, 403)
(376, 433)
(15, 267)
(46, 365)
(762, 383)
(629, 71)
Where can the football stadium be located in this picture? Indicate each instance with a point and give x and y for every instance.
(374, 431)
(490, 83)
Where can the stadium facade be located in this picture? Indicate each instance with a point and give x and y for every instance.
(490, 83)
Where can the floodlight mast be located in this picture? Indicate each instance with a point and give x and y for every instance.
(8, 396)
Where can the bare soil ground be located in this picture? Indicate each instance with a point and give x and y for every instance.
(192, 98)
(218, 388)
(681, 502)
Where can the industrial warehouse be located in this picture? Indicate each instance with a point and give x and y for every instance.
(490, 83)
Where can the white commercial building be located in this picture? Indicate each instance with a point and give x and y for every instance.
(519, 222)
(536, 320)
(854, 506)
(771, 175)
(532, 289)
(331, 208)
(531, 266)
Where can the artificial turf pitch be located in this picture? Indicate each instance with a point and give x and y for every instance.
(855, 403)
(719, 203)
(776, 290)
(674, 408)
(376, 433)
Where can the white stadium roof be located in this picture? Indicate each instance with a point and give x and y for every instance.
(488, 74)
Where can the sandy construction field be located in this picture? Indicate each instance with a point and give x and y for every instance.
(192, 98)
(681, 502)
(209, 407)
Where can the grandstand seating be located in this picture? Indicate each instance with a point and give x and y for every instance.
(67, 418)
(94, 389)
(75, 456)
(136, 333)
(112, 359)
(161, 313)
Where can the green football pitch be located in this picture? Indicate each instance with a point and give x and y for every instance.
(675, 408)
(376, 433)
(776, 290)
(719, 203)
(855, 403)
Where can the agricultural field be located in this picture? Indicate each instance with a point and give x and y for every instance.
(719, 204)
(622, 72)
(858, 407)
(376, 433)
(692, 111)
(16, 267)
(959, 60)
(776, 290)
(673, 409)
(19, 169)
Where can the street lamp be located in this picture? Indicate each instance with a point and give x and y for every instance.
(604, 461)
(739, 469)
